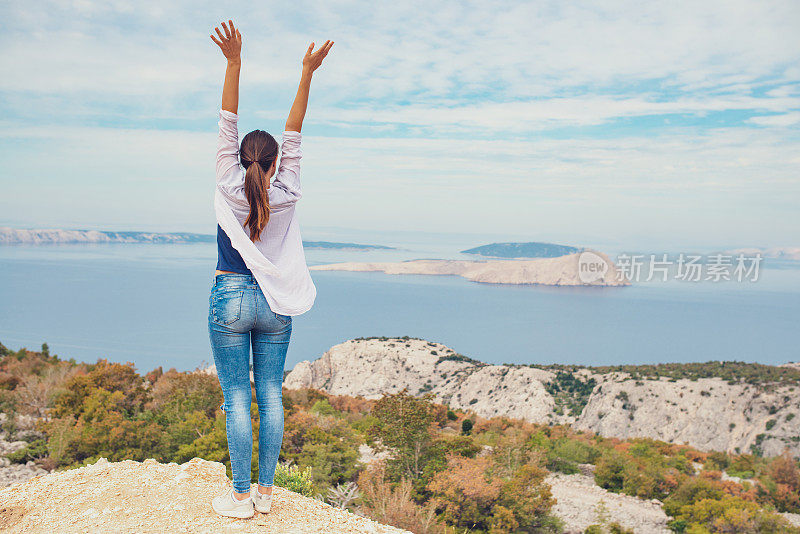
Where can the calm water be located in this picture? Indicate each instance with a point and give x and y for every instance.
(148, 304)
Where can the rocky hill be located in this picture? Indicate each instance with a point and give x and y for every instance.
(129, 496)
(706, 413)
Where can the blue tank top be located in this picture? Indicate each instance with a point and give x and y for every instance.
(228, 258)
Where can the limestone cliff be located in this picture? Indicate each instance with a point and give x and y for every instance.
(708, 413)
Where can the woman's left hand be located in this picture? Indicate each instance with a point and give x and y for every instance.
(230, 43)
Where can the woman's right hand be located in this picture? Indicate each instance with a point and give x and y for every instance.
(230, 43)
(313, 60)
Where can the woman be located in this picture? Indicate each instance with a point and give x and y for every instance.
(261, 280)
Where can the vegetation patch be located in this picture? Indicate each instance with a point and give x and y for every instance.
(734, 372)
(456, 357)
(570, 392)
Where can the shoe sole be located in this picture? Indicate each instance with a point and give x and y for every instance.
(234, 514)
(260, 508)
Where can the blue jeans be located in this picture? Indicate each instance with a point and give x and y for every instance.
(238, 317)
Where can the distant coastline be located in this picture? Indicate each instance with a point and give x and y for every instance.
(780, 253)
(55, 236)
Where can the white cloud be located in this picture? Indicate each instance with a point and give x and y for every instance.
(541, 114)
(418, 52)
(726, 177)
(784, 119)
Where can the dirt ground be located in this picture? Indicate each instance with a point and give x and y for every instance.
(149, 497)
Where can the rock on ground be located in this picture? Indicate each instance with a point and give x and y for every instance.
(794, 519)
(11, 473)
(578, 503)
(148, 496)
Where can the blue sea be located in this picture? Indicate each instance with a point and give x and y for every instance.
(148, 304)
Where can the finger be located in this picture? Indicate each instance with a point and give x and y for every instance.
(221, 37)
(233, 28)
(310, 48)
(238, 36)
(324, 50)
(227, 31)
(216, 41)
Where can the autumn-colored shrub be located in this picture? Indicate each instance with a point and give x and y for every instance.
(109, 377)
(690, 491)
(480, 493)
(731, 515)
(392, 503)
(611, 469)
(781, 482)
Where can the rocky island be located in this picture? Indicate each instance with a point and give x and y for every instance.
(560, 271)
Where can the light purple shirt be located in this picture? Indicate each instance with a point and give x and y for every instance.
(276, 259)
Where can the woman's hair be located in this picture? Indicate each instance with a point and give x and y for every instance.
(258, 152)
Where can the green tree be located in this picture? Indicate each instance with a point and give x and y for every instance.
(690, 491)
(404, 423)
(610, 470)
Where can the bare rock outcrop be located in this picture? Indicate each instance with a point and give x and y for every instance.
(707, 413)
(141, 497)
(580, 503)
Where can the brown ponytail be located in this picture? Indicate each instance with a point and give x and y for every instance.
(258, 152)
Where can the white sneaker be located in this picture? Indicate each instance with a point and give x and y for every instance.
(263, 502)
(230, 506)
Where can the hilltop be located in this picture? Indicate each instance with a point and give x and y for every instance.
(130, 496)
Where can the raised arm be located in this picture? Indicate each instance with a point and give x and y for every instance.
(231, 46)
(311, 62)
(228, 140)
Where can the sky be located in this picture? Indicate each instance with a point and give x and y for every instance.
(638, 123)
